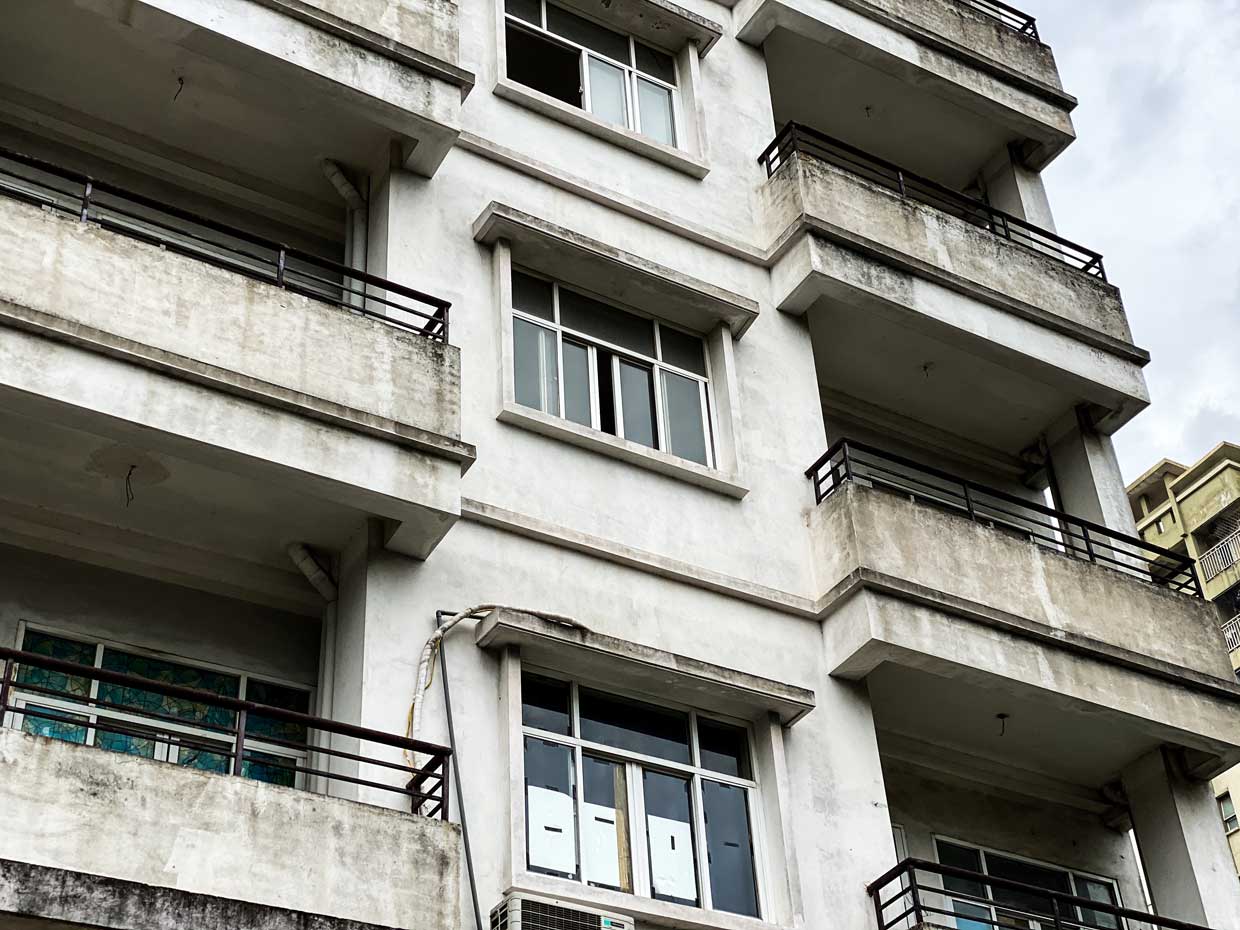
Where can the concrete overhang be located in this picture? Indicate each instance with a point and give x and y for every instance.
(643, 669)
(628, 279)
(659, 22)
(943, 51)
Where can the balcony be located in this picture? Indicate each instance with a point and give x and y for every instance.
(244, 815)
(195, 370)
(919, 893)
(1231, 633)
(1220, 565)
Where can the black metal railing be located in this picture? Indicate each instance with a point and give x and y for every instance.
(137, 216)
(798, 139)
(927, 894)
(1011, 17)
(200, 729)
(848, 460)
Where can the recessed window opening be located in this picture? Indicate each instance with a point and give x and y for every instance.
(638, 798)
(588, 65)
(596, 365)
(1227, 810)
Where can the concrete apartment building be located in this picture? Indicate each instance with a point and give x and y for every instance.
(325, 321)
(1195, 511)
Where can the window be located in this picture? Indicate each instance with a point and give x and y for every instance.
(585, 64)
(1227, 809)
(638, 798)
(580, 359)
(134, 721)
(1010, 907)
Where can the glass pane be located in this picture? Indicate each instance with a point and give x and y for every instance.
(199, 756)
(537, 372)
(607, 95)
(294, 699)
(603, 363)
(130, 744)
(56, 647)
(669, 837)
(637, 402)
(605, 857)
(543, 64)
(590, 34)
(729, 848)
(172, 673)
(55, 724)
(682, 406)
(550, 809)
(273, 770)
(961, 857)
(577, 383)
(1103, 892)
(533, 296)
(528, 10)
(982, 919)
(654, 102)
(1029, 874)
(544, 704)
(682, 350)
(723, 748)
(656, 63)
(594, 318)
(637, 727)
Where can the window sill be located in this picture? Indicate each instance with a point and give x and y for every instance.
(709, 478)
(587, 122)
(645, 910)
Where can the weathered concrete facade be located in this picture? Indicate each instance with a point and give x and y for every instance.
(177, 424)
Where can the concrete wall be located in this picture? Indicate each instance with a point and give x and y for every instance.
(81, 809)
(427, 25)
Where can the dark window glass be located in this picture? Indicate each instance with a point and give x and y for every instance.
(724, 748)
(961, 857)
(533, 296)
(605, 857)
(205, 756)
(536, 373)
(1029, 874)
(543, 64)
(273, 770)
(656, 63)
(729, 848)
(54, 724)
(606, 392)
(594, 318)
(544, 704)
(294, 699)
(56, 647)
(125, 739)
(637, 727)
(1103, 892)
(528, 10)
(682, 410)
(590, 34)
(669, 838)
(637, 402)
(682, 350)
(577, 383)
(550, 808)
(172, 673)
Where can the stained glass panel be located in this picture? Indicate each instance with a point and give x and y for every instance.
(274, 770)
(197, 756)
(172, 673)
(260, 727)
(56, 724)
(56, 647)
(128, 743)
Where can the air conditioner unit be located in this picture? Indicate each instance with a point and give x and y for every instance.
(528, 912)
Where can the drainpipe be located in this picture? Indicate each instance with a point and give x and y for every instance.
(356, 229)
(322, 582)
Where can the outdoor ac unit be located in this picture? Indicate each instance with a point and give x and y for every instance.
(527, 912)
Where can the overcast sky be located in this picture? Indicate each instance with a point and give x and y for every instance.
(1153, 182)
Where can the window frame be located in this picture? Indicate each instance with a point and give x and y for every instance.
(1072, 873)
(163, 751)
(632, 74)
(655, 364)
(1231, 824)
(635, 763)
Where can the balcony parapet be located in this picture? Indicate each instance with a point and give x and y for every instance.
(1231, 633)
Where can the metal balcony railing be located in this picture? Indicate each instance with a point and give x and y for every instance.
(926, 894)
(1231, 633)
(1044, 526)
(137, 216)
(1220, 558)
(200, 729)
(798, 139)
(1011, 17)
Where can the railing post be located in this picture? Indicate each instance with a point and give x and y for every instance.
(86, 194)
(5, 684)
(239, 749)
(900, 179)
(848, 472)
(1055, 910)
(1089, 544)
(444, 788)
(281, 260)
(968, 502)
(914, 894)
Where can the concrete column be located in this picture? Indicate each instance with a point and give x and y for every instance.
(1087, 474)
(1015, 189)
(1188, 865)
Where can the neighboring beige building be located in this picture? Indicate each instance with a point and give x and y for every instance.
(1195, 510)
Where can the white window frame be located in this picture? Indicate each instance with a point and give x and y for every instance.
(1073, 875)
(631, 73)
(655, 364)
(164, 751)
(635, 763)
(1231, 824)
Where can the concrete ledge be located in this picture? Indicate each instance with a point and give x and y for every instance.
(661, 23)
(642, 668)
(541, 245)
(52, 898)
